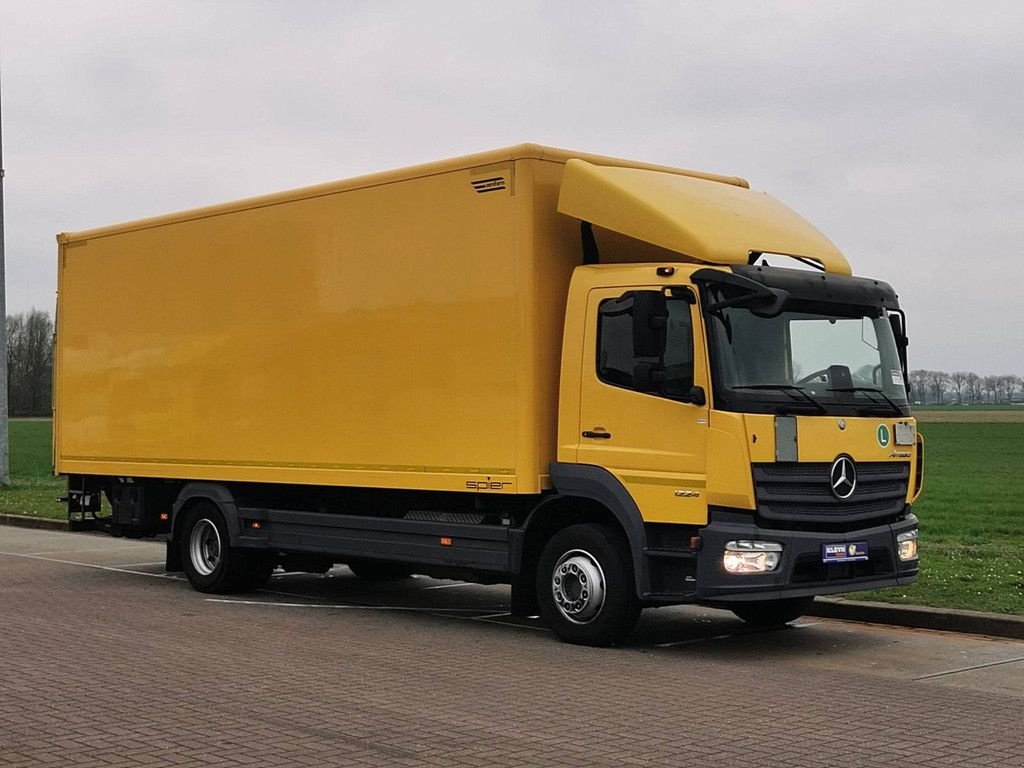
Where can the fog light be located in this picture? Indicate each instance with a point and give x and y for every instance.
(751, 556)
(906, 545)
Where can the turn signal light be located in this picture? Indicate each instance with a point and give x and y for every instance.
(906, 546)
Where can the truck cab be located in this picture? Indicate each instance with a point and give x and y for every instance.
(757, 417)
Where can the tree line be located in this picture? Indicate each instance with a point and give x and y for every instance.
(30, 374)
(965, 388)
(30, 364)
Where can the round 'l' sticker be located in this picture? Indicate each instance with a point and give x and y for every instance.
(883, 435)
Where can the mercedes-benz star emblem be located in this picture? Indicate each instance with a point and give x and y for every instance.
(843, 477)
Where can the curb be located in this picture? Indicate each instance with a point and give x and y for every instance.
(24, 521)
(920, 617)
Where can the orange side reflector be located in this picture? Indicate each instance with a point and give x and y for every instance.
(446, 541)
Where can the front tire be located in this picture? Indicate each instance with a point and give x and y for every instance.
(772, 613)
(585, 585)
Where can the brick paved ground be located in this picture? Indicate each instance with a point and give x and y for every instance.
(118, 668)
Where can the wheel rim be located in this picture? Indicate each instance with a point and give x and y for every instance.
(577, 584)
(204, 547)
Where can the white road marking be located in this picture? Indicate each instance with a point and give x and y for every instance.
(502, 623)
(137, 565)
(94, 565)
(693, 640)
(90, 549)
(970, 669)
(449, 586)
(288, 594)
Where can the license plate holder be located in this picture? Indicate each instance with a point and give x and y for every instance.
(906, 433)
(847, 552)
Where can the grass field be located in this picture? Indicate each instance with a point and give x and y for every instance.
(972, 519)
(972, 509)
(33, 490)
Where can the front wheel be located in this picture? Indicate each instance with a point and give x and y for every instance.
(772, 613)
(585, 585)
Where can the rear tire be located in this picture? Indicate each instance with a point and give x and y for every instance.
(368, 570)
(585, 585)
(211, 564)
(772, 613)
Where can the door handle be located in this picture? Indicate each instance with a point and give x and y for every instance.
(597, 435)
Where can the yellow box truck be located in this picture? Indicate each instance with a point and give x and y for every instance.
(574, 374)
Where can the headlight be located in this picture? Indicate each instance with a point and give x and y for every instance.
(906, 545)
(746, 556)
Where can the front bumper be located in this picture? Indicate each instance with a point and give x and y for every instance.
(801, 571)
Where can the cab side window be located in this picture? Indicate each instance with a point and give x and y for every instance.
(624, 361)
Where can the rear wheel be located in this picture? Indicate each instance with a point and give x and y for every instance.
(585, 585)
(211, 564)
(772, 613)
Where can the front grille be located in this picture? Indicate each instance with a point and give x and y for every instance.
(798, 492)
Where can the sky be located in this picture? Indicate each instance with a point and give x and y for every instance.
(896, 128)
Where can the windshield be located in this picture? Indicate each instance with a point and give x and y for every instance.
(811, 358)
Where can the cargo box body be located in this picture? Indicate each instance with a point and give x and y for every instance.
(400, 330)
(377, 335)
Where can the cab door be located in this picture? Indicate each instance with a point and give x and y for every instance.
(643, 415)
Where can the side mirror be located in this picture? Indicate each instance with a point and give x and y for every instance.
(648, 377)
(898, 321)
(696, 396)
(650, 324)
(773, 305)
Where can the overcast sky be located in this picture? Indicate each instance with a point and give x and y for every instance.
(896, 128)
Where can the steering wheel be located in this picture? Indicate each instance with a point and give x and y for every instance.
(812, 376)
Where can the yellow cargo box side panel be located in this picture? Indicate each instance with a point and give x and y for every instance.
(362, 337)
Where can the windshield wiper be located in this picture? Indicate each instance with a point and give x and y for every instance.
(889, 400)
(788, 389)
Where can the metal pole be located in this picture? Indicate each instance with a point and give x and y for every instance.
(5, 465)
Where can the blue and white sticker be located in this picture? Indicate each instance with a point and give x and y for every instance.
(844, 553)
